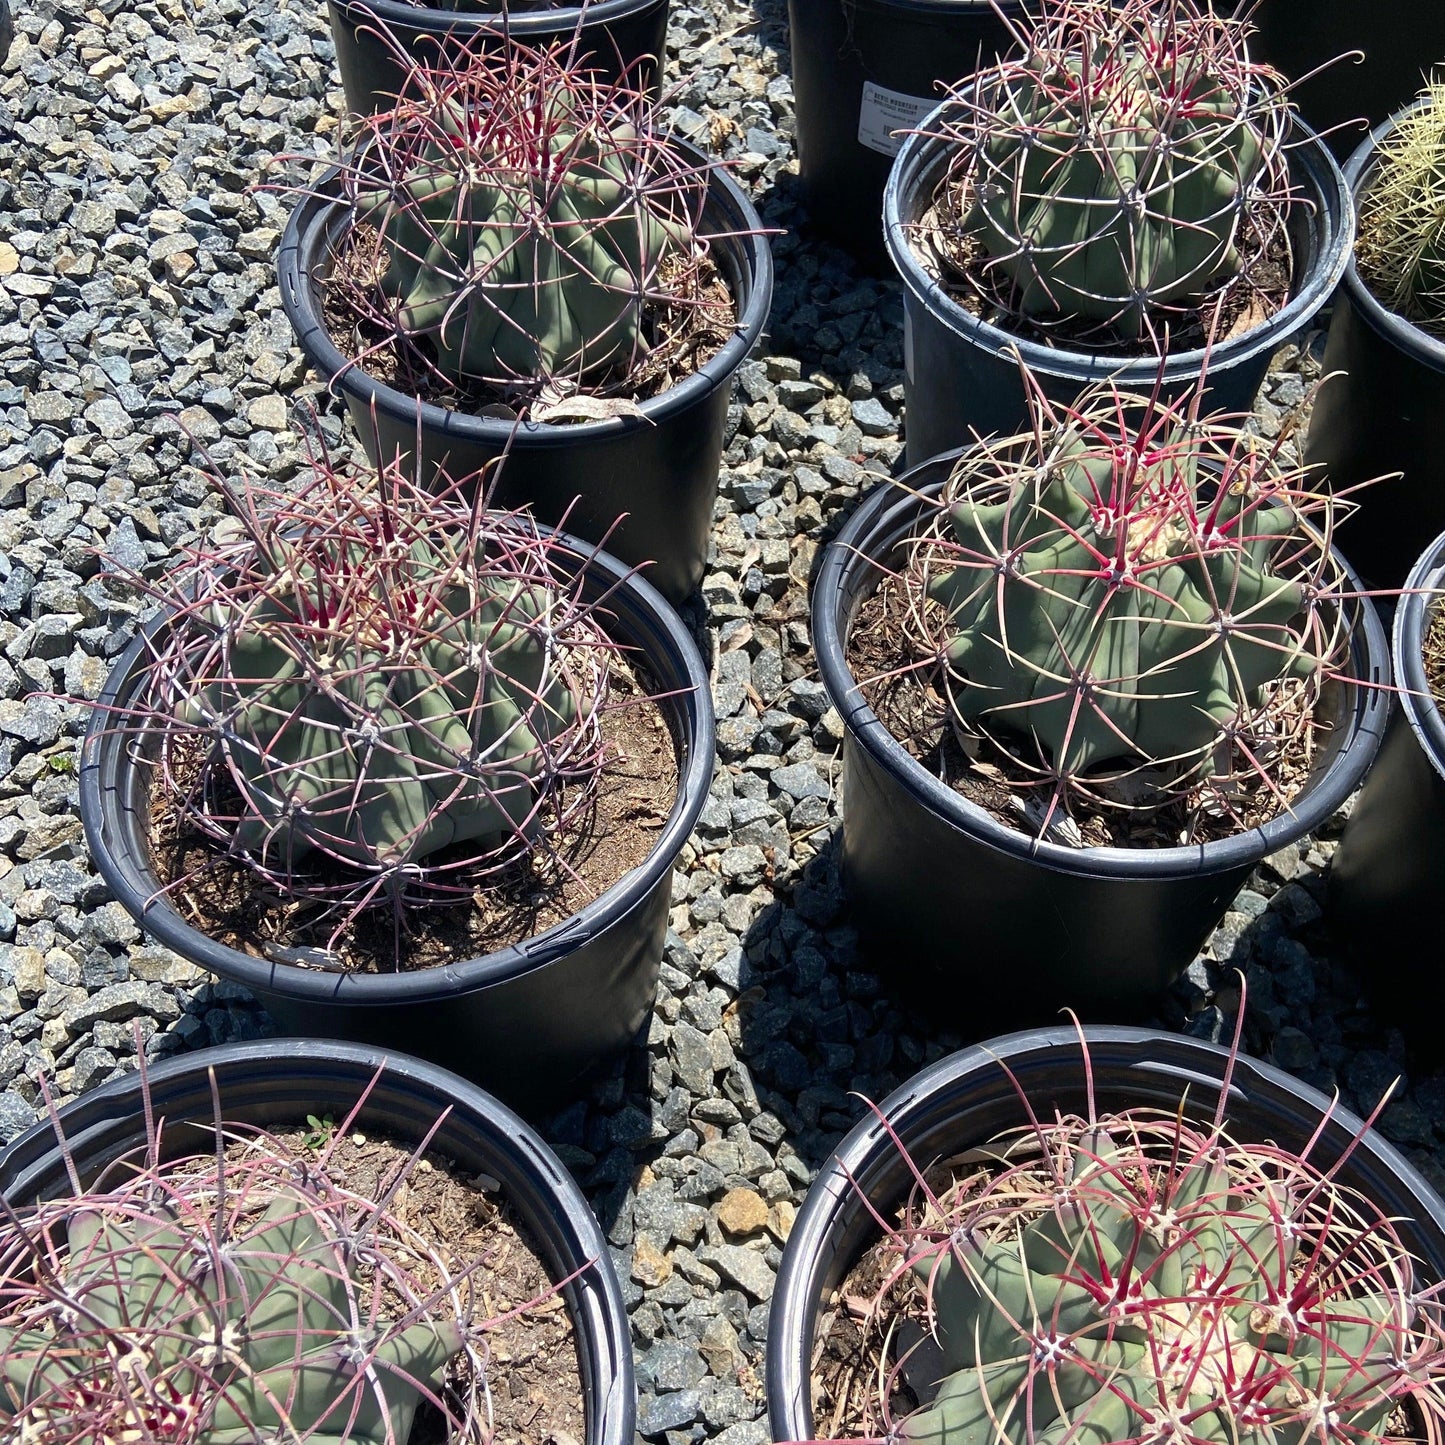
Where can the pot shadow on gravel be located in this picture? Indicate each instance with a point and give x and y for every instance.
(819, 1033)
(811, 1034)
(830, 315)
(818, 1028)
(771, 27)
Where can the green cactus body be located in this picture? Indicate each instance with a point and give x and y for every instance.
(1112, 1314)
(384, 743)
(1104, 648)
(527, 251)
(1111, 179)
(262, 1339)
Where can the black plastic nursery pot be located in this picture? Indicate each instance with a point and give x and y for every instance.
(1388, 876)
(657, 470)
(1380, 410)
(987, 925)
(961, 373)
(275, 1084)
(966, 1100)
(1299, 36)
(621, 39)
(863, 69)
(527, 1022)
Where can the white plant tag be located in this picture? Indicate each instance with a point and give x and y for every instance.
(884, 111)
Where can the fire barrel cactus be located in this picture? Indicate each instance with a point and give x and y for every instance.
(525, 217)
(1113, 162)
(1136, 1278)
(1125, 591)
(392, 690)
(238, 1294)
(156, 1332)
(435, 721)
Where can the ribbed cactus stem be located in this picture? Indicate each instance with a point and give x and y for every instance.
(1136, 1279)
(159, 1325)
(387, 739)
(1125, 584)
(1113, 164)
(525, 215)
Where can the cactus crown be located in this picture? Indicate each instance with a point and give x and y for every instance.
(393, 684)
(525, 214)
(1400, 252)
(1111, 165)
(1127, 586)
(1135, 1277)
(214, 1300)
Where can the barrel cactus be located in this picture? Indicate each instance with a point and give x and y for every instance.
(391, 692)
(1125, 583)
(440, 715)
(1138, 1277)
(1400, 251)
(215, 1352)
(1113, 163)
(525, 216)
(223, 1302)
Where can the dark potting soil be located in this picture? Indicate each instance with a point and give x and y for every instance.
(534, 1374)
(638, 786)
(683, 330)
(905, 684)
(955, 256)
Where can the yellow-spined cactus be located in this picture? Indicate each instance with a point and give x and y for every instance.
(1400, 252)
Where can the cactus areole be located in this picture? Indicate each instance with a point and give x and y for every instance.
(1111, 167)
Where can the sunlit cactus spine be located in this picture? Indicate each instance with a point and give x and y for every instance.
(1142, 1277)
(1128, 584)
(1115, 159)
(525, 215)
(212, 1301)
(1400, 251)
(387, 693)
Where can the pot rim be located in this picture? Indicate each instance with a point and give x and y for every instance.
(113, 843)
(318, 217)
(1411, 622)
(1330, 197)
(943, 10)
(1117, 1051)
(545, 1194)
(1404, 335)
(1365, 723)
(526, 24)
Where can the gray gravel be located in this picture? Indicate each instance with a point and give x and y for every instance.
(140, 323)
